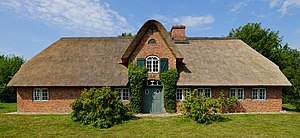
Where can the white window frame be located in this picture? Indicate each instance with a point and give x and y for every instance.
(204, 90)
(259, 93)
(236, 93)
(121, 92)
(179, 94)
(37, 94)
(180, 97)
(150, 60)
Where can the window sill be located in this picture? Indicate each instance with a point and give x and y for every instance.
(41, 101)
(258, 100)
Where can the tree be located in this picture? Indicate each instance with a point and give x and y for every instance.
(9, 65)
(263, 40)
(269, 44)
(126, 35)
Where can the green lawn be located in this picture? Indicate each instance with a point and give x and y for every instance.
(8, 107)
(242, 125)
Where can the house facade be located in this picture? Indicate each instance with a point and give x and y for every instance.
(54, 78)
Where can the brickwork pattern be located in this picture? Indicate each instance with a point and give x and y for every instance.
(160, 49)
(59, 100)
(273, 102)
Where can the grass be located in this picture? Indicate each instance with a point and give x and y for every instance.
(242, 125)
(288, 107)
(8, 107)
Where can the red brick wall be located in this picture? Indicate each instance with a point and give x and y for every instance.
(59, 100)
(273, 102)
(160, 49)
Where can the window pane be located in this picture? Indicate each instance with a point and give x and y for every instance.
(44, 94)
(125, 94)
(199, 91)
(240, 94)
(179, 93)
(254, 94)
(152, 64)
(262, 94)
(36, 94)
(208, 93)
(232, 92)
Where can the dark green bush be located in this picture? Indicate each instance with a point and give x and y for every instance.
(137, 75)
(169, 80)
(100, 108)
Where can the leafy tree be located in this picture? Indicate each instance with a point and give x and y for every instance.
(269, 44)
(126, 35)
(265, 41)
(9, 65)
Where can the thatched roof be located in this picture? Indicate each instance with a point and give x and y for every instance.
(164, 34)
(226, 62)
(76, 62)
(100, 62)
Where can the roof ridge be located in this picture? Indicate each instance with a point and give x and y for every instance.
(213, 38)
(96, 38)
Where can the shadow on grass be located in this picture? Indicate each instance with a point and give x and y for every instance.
(218, 118)
(223, 119)
(289, 107)
(283, 108)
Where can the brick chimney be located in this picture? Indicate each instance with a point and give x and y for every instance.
(178, 32)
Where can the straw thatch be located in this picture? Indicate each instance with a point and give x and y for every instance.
(100, 62)
(76, 62)
(226, 62)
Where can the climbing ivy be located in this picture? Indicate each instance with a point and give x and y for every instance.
(169, 80)
(137, 75)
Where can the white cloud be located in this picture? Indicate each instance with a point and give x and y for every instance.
(238, 6)
(273, 3)
(284, 5)
(195, 21)
(190, 21)
(88, 16)
(289, 4)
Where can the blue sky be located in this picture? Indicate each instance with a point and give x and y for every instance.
(29, 26)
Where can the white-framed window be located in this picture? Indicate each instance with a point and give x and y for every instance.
(180, 93)
(259, 93)
(237, 92)
(40, 94)
(123, 93)
(206, 91)
(152, 64)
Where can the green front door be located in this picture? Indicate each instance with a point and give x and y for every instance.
(152, 99)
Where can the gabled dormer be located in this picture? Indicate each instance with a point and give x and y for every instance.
(154, 48)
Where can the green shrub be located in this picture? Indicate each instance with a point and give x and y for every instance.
(200, 109)
(100, 108)
(137, 75)
(226, 103)
(205, 110)
(169, 80)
